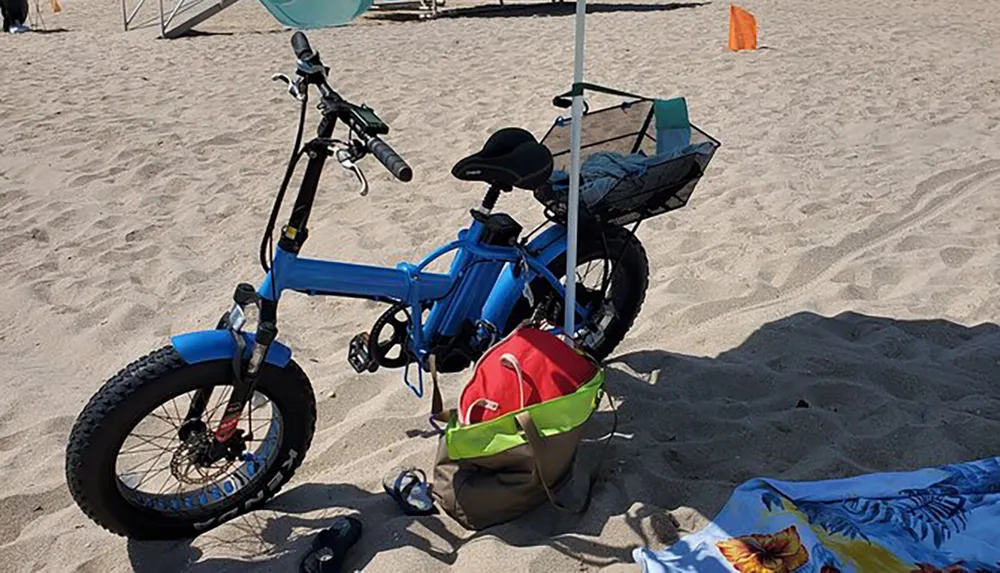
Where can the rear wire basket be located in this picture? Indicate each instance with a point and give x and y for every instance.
(627, 129)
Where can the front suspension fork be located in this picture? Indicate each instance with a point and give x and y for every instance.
(244, 380)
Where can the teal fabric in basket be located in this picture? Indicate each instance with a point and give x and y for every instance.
(673, 128)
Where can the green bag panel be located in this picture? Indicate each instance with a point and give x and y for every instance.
(553, 417)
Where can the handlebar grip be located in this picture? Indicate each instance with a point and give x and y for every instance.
(300, 45)
(390, 159)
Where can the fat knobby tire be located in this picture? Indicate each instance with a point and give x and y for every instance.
(125, 399)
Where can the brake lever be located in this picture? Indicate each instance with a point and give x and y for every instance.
(346, 159)
(293, 86)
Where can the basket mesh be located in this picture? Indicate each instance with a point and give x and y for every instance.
(628, 129)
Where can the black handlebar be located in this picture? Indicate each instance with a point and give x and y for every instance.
(390, 159)
(300, 45)
(380, 149)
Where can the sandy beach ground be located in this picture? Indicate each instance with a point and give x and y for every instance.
(842, 251)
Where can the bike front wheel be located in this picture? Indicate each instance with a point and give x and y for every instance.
(132, 463)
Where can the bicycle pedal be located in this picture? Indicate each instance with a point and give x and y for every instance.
(359, 357)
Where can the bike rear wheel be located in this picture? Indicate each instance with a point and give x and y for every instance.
(612, 274)
(167, 494)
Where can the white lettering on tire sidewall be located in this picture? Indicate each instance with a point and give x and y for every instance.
(265, 491)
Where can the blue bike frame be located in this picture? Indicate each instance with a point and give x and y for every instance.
(483, 284)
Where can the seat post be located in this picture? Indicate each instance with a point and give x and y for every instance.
(490, 201)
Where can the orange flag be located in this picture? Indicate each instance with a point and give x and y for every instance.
(742, 29)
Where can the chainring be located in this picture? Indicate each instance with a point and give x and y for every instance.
(380, 348)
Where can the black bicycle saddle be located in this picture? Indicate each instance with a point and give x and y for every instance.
(511, 157)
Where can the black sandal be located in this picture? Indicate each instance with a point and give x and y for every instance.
(329, 547)
(411, 492)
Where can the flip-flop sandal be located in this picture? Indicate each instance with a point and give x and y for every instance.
(329, 547)
(410, 490)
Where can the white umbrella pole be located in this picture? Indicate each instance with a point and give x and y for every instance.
(574, 173)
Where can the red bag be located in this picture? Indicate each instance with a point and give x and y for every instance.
(528, 367)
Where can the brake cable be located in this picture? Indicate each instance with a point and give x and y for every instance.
(297, 150)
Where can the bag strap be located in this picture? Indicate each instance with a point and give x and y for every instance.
(536, 443)
(510, 360)
(438, 413)
(480, 403)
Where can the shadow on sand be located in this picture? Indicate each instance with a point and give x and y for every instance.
(44, 31)
(537, 9)
(804, 397)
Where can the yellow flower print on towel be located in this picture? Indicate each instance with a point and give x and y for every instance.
(780, 552)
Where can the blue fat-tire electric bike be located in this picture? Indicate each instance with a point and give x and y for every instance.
(213, 424)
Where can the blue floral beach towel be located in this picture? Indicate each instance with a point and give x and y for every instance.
(943, 520)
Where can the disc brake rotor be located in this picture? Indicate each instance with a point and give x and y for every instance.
(184, 464)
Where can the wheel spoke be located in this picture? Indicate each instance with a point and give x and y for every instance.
(223, 399)
(590, 268)
(147, 476)
(169, 435)
(266, 402)
(168, 419)
(162, 487)
(155, 460)
(135, 468)
(163, 419)
(133, 451)
(180, 417)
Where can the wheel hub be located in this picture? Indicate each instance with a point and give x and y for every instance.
(192, 462)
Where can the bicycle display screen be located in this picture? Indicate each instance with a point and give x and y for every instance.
(372, 123)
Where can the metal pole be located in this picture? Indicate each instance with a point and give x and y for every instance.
(172, 14)
(574, 173)
(163, 25)
(132, 15)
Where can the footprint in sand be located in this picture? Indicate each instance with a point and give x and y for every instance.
(143, 233)
(21, 510)
(127, 255)
(955, 257)
(106, 175)
(930, 199)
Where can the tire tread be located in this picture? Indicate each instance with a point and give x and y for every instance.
(116, 393)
